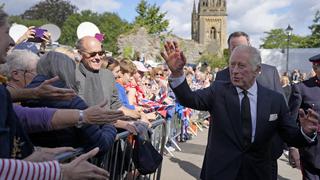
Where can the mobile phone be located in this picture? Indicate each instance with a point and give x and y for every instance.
(99, 36)
(39, 34)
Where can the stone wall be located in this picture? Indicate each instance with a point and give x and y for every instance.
(149, 46)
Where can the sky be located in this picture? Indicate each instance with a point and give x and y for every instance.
(252, 16)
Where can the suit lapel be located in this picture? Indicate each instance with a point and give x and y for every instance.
(263, 105)
(233, 108)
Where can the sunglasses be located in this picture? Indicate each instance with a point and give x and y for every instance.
(93, 54)
(159, 74)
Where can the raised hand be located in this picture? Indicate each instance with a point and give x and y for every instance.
(28, 34)
(309, 122)
(174, 58)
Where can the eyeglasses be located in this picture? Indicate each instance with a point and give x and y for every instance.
(159, 74)
(93, 54)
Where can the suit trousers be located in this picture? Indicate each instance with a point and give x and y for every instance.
(274, 170)
(309, 173)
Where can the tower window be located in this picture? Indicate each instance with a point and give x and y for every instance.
(213, 33)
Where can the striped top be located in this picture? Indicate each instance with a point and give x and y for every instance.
(25, 170)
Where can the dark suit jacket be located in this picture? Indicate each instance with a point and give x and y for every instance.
(226, 158)
(268, 78)
(303, 95)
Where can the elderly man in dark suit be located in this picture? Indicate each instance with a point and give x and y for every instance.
(306, 94)
(247, 117)
(269, 78)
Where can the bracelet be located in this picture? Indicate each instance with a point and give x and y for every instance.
(81, 120)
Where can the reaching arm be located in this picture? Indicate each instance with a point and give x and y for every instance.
(45, 119)
(44, 91)
(79, 168)
(17, 169)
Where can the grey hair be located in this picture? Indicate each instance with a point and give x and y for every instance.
(3, 17)
(79, 44)
(255, 57)
(58, 64)
(22, 60)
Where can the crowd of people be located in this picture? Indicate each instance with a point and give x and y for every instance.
(70, 97)
(53, 101)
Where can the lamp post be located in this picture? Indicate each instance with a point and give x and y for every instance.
(289, 33)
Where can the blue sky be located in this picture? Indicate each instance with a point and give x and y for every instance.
(252, 16)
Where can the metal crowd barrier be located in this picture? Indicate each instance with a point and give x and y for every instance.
(118, 162)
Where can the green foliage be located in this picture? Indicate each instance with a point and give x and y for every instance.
(128, 52)
(112, 26)
(109, 23)
(314, 39)
(54, 11)
(277, 38)
(150, 17)
(27, 22)
(213, 60)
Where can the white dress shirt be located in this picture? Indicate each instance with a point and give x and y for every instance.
(252, 95)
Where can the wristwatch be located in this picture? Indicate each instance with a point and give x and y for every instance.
(81, 120)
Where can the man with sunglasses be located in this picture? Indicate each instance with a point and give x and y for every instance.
(306, 94)
(97, 83)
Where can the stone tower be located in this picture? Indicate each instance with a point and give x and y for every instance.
(209, 23)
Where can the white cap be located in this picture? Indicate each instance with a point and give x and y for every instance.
(140, 66)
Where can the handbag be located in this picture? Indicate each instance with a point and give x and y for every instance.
(145, 157)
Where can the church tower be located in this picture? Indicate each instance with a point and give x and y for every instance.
(209, 24)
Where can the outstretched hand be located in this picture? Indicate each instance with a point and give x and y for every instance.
(174, 58)
(309, 122)
(99, 115)
(47, 91)
(80, 168)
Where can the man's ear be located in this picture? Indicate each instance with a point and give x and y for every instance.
(15, 75)
(258, 70)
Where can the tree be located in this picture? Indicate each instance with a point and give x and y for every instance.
(54, 11)
(213, 60)
(109, 23)
(314, 39)
(28, 22)
(150, 17)
(112, 26)
(278, 39)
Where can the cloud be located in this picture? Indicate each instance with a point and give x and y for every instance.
(97, 5)
(252, 16)
(179, 16)
(17, 7)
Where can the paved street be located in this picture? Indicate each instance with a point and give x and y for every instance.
(186, 165)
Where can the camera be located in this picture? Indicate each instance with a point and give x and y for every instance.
(39, 34)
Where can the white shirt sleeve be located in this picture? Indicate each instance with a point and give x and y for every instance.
(176, 81)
